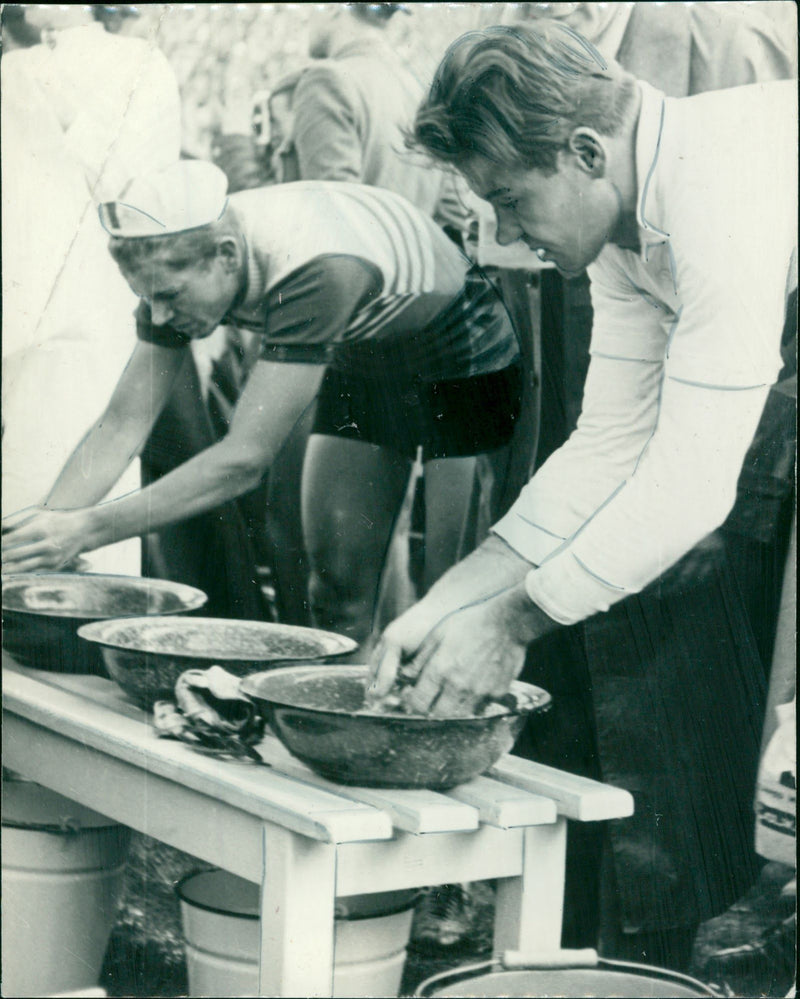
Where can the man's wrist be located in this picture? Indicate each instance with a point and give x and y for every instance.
(523, 619)
(93, 523)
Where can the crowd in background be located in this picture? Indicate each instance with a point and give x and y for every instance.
(224, 54)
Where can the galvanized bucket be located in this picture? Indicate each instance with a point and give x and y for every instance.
(580, 974)
(220, 915)
(62, 876)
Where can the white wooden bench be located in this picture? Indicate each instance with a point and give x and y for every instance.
(304, 839)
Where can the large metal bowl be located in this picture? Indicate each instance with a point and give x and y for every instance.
(147, 655)
(317, 713)
(43, 611)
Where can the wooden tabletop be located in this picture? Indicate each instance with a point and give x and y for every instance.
(95, 713)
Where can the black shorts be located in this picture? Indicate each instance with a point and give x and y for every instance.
(448, 419)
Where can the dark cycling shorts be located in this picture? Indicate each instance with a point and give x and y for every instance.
(448, 419)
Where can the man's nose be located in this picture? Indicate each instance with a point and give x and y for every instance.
(160, 314)
(508, 231)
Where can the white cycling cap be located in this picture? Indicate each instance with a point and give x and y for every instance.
(185, 195)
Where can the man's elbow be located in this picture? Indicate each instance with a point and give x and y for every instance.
(243, 468)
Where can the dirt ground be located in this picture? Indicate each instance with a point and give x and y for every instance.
(145, 956)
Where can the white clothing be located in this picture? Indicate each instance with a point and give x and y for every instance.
(79, 121)
(116, 99)
(685, 344)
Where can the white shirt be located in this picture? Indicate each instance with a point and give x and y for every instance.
(685, 344)
(116, 99)
(79, 120)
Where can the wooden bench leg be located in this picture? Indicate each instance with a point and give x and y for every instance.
(297, 915)
(530, 907)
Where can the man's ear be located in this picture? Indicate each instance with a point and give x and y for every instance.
(229, 252)
(589, 150)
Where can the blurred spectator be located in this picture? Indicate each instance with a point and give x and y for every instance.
(82, 114)
(120, 19)
(243, 147)
(351, 106)
(17, 33)
(262, 42)
(684, 48)
(283, 156)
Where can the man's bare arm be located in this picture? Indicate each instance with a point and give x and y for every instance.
(120, 433)
(275, 397)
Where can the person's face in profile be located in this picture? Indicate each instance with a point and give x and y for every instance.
(280, 118)
(566, 216)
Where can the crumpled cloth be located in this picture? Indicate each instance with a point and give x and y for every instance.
(211, 714)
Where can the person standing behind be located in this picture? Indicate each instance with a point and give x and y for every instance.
(682, 50)
(349, 110)
(82, 113)
(352, 106)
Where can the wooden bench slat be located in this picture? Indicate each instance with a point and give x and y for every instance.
(576, 797)
(314, 811)
(414, 811)
(500, 804)
(514, 793)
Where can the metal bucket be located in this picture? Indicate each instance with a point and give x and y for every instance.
(220, 915)
(62, 876)
(589, 976)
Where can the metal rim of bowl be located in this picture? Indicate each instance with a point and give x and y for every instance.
(87, 632)
(195, 597)
(542, 701)
(180, 891)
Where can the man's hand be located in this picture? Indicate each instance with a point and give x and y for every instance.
(398, 644)
(468, 658)
(45, 540)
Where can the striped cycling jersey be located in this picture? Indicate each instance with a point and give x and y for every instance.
(423, 307)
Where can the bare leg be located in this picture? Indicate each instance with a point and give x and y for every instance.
(286, 552)
(352, 493)
(452, 528)
(448, 493)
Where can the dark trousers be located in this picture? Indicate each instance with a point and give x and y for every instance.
(213, 551)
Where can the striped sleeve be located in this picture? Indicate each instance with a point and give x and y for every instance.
(307, 314)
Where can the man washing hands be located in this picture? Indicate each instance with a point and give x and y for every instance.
(683, 212)
(464, 642)
(596, 170)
